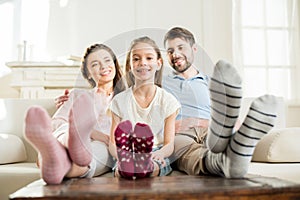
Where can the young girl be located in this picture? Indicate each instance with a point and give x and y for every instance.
(74, 143)
(143, 150)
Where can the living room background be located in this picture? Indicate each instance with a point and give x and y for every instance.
(57, 29)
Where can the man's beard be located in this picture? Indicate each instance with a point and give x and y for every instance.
(178, 68)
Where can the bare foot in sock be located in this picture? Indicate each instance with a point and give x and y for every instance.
(234, 162)
(259, 121)
(55, 161)
(82, 119)
(226, 95)
(142, 140)
(123, 139)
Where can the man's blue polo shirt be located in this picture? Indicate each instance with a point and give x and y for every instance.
(193, 94)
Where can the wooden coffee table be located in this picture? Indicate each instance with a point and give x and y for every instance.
(168, 187)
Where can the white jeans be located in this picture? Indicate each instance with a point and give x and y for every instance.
(102, 161)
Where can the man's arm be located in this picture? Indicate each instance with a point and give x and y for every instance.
(187, 123)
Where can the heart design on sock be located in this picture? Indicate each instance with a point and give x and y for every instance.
(134, 150)
(142, 143)
(124, 149)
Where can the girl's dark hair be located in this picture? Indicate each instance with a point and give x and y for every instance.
(129, 75)
(118, 83)
(179, 32)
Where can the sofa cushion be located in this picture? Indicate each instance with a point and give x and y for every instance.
(12, 149)
(15, 176)
(279, 145)
(285, 171)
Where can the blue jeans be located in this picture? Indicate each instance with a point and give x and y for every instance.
(167, 169)
(163, 171)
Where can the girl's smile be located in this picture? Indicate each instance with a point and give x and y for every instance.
(143, 70)
(144, 62)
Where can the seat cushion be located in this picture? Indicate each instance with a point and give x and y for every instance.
(15, 176)
(285, 171)
(279, 145)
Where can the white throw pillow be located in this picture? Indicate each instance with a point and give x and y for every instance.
(12, 149)
(279, 145)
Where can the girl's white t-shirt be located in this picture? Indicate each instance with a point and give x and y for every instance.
(125, 106)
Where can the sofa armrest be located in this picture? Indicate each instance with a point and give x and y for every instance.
(12, 119)
(12, 149)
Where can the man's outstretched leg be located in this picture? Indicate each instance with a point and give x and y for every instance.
(235, 161)
(226, 95)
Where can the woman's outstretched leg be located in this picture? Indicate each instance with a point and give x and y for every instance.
(82, 119)
(55, 162)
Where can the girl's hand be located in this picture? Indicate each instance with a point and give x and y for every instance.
(158, 156)
(96, 135)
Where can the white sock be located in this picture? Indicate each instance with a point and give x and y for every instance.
(226, 95)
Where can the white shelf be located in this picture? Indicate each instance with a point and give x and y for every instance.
(36, 80)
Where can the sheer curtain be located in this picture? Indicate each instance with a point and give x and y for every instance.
(266, 46)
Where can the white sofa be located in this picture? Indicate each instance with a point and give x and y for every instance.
(276, 155)
(17, 157)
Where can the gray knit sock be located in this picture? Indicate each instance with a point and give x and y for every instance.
(235, 161)
(259, 121)
(214, 163)
(226, 95)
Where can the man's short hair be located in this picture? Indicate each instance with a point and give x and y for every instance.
(179, 32)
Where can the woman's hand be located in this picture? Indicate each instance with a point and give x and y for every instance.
(59, 101)
(97, 135)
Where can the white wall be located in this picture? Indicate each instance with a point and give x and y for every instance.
(71, 29)
(79, 24)
(217, 29)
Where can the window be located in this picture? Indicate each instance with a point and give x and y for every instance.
(266, 45)
(7, 36)
(22, 21)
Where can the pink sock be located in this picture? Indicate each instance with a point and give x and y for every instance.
(124, 149)
(143, 143)
(82, 119)
(55, 161)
